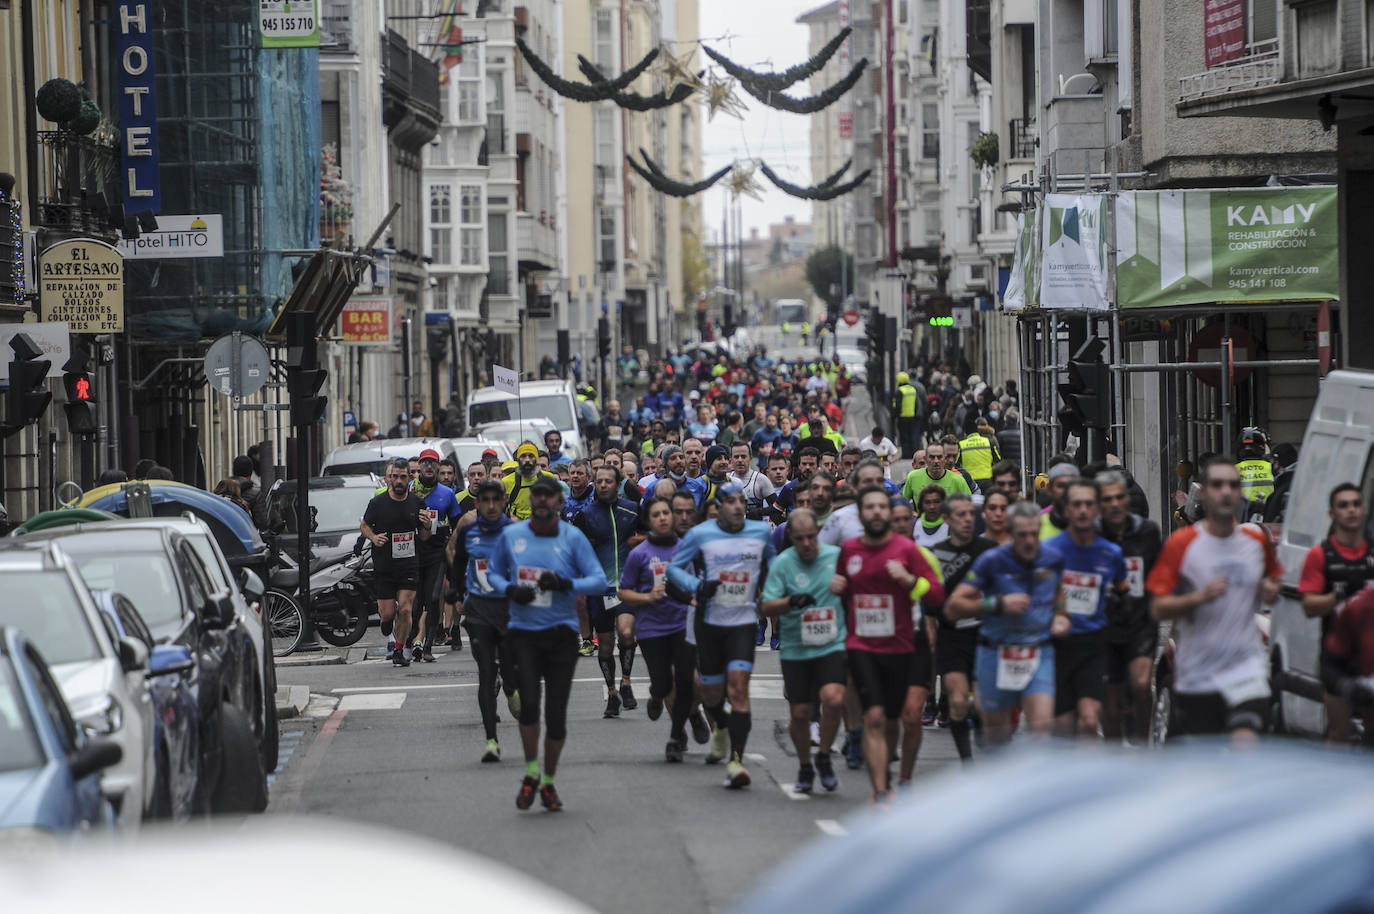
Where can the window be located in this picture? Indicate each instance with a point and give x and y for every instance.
(606, 235)
(605, 136)
(497, 259)
(470, 225)
(934, 228)
(440, 219)
(605, 41)
(469, 88)
(930, 131)
(1318, 38)
(496, 118)
(441, 293)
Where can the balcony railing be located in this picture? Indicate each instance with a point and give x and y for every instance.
(1021, 137)
(78, 183)
(1259, 67)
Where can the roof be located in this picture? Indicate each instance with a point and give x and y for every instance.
(825, 11)
(386, 447)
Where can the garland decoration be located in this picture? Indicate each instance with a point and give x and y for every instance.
(810, 104)
(826, 190)
(621, 82)
(777, 82)
(601, 89)
(653, 174)
(721, 99)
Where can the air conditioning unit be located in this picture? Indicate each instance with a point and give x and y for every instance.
(977, 276)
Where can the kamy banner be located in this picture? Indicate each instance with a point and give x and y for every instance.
(1204, 246)
(1073, 263)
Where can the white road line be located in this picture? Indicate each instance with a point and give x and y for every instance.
(832, 828)
(399, 687)
(791, 792)
(382, 701)
(755, 757)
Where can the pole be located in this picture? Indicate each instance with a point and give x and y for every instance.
(405, 368)
(890, 132)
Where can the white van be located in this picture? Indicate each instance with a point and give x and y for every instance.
(553, 401)
(1338, 447)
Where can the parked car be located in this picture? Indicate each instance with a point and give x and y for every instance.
(467, 451)
(50, 769)
(512, 433)
(371, 457)
(101, 676)
(161, 573)
(553, 401)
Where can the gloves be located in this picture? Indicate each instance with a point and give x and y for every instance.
(800, 600)
(521, 593)
(550, 581)
(706, 590)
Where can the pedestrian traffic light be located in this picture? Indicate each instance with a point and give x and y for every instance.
(82, 413)
(304, 376)
(1088, 394)
(603, 337)
(28, 395)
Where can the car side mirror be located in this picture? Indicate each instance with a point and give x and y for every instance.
(219, 611)
(251, 584)
(95, 755)
(133, 654)
(167, 659)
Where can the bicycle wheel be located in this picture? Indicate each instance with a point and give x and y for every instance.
(286, 619)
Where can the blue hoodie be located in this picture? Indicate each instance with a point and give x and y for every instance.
(522, 555)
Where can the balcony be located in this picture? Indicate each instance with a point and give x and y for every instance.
(410, 92)
(78, 183)
(537, 242)
(1260, 67)
(1021, 139)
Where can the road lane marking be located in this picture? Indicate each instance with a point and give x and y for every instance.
(310, 764)
(377, 701)
(832, 828)
(353, 690)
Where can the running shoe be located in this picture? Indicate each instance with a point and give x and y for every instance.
(390, 646)
(456, 638)
(612, 706)
(882, 799)
(528, 788)
(720, 747)
(773, 643)
(762, 633)
(675, 749)
(513, 702)
(588, 647)
(448, 637)
(427, 655)
(700, 731)
(904, 784)
(399, 657)
(927, 716)
(493, 753)
(806, 779)
(827, 771)
(735, 775)
(417, 651)
(942, 719)
(627, 697)
(654, 708)
(549, 797)
(854, 750)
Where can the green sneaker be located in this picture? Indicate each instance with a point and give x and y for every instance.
(720, 746)
(493, 753)
(588, 647)
(513, 702)
(735, 775)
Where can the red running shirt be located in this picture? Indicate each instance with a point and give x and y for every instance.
(877, 608)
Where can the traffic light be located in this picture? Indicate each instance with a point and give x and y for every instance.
(1088, 394)
(304, 376)
(28, 395)
(82, 414)
(603, 337)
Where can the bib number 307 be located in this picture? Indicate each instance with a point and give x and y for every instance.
(1016, 666)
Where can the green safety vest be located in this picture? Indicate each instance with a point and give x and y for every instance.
(908, 407)
(975, 455)
(1256, 479)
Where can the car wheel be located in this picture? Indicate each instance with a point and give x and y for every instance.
(271, 735)
(242, 783)
(162, 788)
(286, 621)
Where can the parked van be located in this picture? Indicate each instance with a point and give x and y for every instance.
(553, 401)
(1338, 447)
(371, 457)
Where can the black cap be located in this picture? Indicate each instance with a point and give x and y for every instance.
(546, 485)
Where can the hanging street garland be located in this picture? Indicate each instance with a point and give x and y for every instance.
(810, 104)
(621, 82)
(653, 174)
(830, 181)
(743, 182)
(826, 190)
(600, 91)
(777, 82)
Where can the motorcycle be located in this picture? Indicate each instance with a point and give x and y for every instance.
(340, 602)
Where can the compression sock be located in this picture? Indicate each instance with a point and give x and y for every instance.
(739, 724)
(546, 780)
(718, 715)
(532, 768)
(959, 729)
(387, 626)
(627, 661)
(607, 669)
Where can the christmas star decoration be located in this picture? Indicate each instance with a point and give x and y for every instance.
(721, 98)
(677, 70)
(742, 181)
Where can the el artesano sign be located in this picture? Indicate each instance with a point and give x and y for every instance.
(81, 282)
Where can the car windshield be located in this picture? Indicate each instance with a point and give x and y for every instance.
(336, 507)
(146, 578)
(205, 549)
(19, 746)
(45, 606)
(361, 468)
(554, 407)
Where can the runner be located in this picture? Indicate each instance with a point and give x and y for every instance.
(759, 494)
(1015, 590)
(610, 522)
(1211, 578)
(486, 610)
(844, 523)
(391, 523)
(444, 512)
(797, 593)
(722, 562)
(995, 505)
(933, 472)
(540, 565)
(518, 504)
(956, 643)
(580, 492)
(889, 654)
(660, 621)
(476, 473)
(1132, 635)
(1094, 577)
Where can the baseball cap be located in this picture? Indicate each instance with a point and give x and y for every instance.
(490, 452)
(429, 453)
(545, 485)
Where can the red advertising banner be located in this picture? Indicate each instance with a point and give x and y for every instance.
(1223, 30)
(366, 320)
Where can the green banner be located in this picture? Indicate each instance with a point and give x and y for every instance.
(1191, 247)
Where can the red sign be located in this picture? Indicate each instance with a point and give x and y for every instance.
(366, 320)
(1223, 31)
(1207, 347)
(83, 389)
(846, 125)
(851, 317)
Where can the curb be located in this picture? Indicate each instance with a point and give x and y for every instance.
(291, 701)
(310, 660)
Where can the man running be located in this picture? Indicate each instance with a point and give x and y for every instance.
(1015, 590)
(759, 494)
(443, 514)
(1211, 578)
(812, 637)
(956, 644)
(723, 562)
(541, 565)
(485, 610)
(391, 523)
(931, 527)
(518, 484)
(880, 577)
(936, 472)
(844, 524)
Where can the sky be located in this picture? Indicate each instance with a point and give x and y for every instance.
(761, 35)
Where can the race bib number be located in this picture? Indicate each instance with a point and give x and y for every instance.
(611, 601)
(529, 576)
(479, 571)
(613, 431)
(818, 626)
(403, 545)
(1082, 591)
(874, 616)
(1135, 575)
(660, 570)
(1016, 667)
(735, 588)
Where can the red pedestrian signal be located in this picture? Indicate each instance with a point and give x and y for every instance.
(83, 389)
